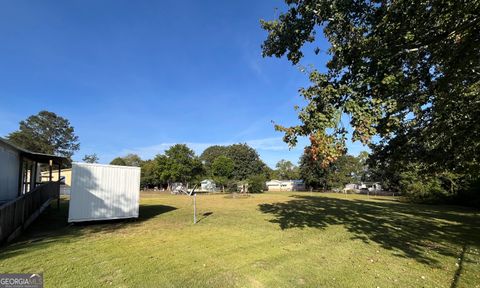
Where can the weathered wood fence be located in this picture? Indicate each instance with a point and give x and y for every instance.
(19, 213)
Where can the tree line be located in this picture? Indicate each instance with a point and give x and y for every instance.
(226, 165)
(229, 166)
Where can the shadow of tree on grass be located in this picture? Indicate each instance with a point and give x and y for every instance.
(411, 230)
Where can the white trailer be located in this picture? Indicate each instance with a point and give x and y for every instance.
(103, 192)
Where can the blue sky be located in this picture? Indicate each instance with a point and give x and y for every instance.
(139, 76)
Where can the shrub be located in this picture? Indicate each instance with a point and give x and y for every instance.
(427, 188)
(256, 184)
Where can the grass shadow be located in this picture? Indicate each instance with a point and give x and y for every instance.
(408, 230)
(204, 215)
(52, 227)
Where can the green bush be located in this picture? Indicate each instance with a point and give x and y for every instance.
(442, 188)
(427, 188)
(256, 184)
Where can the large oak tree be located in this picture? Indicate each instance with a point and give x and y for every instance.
(46, 133)
(406, 71)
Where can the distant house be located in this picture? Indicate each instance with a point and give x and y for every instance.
(177, 188)
(208, 185)
(352, 187)
(373, 187)
(65, 180)
(363, 186)
(285, 185)
(242, 186)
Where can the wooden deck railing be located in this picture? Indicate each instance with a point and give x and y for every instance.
(19, 213)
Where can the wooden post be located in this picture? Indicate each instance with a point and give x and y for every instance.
(20, 176)
(25, 178)
(59, 184)
(50, 168)
(34, 175)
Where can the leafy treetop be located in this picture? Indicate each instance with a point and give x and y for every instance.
(92, 158)
(178, 164)
(286, 170)
(128, 160)
(47, 133)
(407, 71)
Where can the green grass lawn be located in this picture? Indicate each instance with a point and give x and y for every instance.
(267, 240)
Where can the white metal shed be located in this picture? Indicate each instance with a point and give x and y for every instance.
(103, 192)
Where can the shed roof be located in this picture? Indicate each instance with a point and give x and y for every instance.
(39, 157)
(294, 181)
